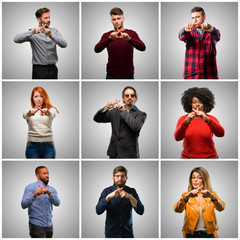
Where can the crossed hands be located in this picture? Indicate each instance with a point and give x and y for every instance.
(118, 192)
(45, 111)
(119, 34)
(116, 103)
(204, 26)
(41, 191)
(196, 114)
(46, 30)
(205, 194)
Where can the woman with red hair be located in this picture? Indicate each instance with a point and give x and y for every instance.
(39, 118)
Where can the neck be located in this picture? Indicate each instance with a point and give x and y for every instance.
(119, 29)
(129, 107)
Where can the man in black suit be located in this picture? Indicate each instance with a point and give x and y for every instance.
(127, 121)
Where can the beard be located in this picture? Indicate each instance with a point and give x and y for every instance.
(45, 180)
(119, 184)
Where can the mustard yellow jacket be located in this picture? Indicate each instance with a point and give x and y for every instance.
(192, 213)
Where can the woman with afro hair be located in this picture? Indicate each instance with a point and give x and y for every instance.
(196, 128)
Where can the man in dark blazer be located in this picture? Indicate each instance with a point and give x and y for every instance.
(127, 121)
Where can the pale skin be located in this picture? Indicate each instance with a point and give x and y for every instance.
(38, 102)
(117, 21)
(198, 22)
(43, 174)
(197, 111)
(43, 21)
(120, 178)
(198, 190)
(129, 99)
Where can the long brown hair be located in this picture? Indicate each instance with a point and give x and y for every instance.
(205, 177)
(46, 101)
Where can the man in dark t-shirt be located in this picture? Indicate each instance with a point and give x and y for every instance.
(119, 43)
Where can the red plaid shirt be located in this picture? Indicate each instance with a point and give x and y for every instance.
(200, 56)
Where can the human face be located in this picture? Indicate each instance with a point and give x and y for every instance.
(197, 180)
(43, 175)
(119, 179)
(129, 97)
(44, 19)
(198, 18)
(37, 99)
(197, 104)
(117, 21)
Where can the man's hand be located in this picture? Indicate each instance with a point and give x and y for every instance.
(121, 107)
(37, 29)
(193, 193)
(189, 27)
(113, 194)
(125, 37)
(207, 27)
(110, 105)
(47, 31)
(201, 115)
(41, 191)
(190, 117)
(114, 35)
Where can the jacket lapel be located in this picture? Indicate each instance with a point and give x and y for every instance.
(205, 203)
(193, 203)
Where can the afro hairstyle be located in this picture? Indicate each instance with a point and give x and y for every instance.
(203, 94)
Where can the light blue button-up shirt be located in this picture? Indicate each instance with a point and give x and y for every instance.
(43, 47)
(40, 208)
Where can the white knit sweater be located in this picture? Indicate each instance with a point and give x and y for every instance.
(40, 127)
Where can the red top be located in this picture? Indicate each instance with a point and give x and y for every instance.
(197, 137)
(120, 53)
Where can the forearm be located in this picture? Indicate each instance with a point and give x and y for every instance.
(216, 34)
(216, 128)
(180, 205)
(179, 133)
(137, 43)
(22, 37)
(101, 116)
(58, 39)
(101, 206)
(184, 35)
(134, 123)
(102, 44)
(27, 201)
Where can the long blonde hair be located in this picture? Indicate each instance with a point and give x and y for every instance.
(205, 177)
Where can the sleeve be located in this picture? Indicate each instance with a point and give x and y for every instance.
(54, 199)
(134, 123)
(102, 203)
(136, 42)
(105, 40)
(219, 204)
(180, 130)
(215, 126)
(58, 39)
(23, 37)
(53, 113)
(139, 209)
(180, 205)
(216, 35)
(25, 114)
(184, 36)
(28, 198)
(102, 116)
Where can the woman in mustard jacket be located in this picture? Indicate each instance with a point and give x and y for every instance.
(199, 203)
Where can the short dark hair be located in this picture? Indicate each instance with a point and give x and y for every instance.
(198, 9)
(116, 11)
(38, 168)
(40, 11)
(120, 169)
(203, 94)
(129, 87)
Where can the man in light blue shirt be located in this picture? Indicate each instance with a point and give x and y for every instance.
(43, 40)
(39, 197)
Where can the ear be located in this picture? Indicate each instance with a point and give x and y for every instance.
(126, 178)
(123, 18)
(136, 100)
(204, 17)
(113, 178)
(39, 20)
(123, 100)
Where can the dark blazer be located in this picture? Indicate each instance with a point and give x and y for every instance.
(124, 142)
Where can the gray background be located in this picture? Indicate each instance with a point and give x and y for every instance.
(19, 17)
(225, 110)
(96, 136)
(16, 98)
(174, 181)
(64, 177)
(141, 17)
(143, 176)
(222, 15)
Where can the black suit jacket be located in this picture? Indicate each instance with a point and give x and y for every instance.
(123, 142)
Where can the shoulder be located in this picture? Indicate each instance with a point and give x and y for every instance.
(31, 185)
(139, 111)
(108, 189)
(182, 117)
(130, 31)
(212, 117)
(107, 33)
(184, 193)
(130, 189)
(51, 188)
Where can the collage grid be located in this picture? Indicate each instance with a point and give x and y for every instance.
(82, 169)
